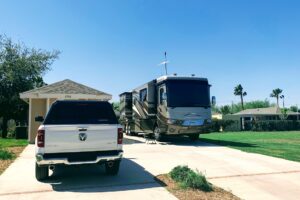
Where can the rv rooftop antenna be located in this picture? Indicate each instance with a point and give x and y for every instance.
(165, 63)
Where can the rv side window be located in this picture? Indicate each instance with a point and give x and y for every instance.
(143, 95)
(161, 93)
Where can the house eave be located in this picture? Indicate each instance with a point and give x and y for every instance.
(104, 97)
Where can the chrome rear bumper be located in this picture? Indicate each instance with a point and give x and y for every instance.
(40, 160)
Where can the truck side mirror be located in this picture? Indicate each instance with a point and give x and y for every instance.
(213, 100)
(39, 119)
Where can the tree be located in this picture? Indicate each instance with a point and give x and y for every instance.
(239, 91)
(234, 108)
(225, 110)
(21, 69)
(294, 108)
(116, 106)
(276, 93)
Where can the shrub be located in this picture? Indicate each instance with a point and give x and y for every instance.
(5, 155)
(179, 173)
(188, 178)
(217, 124)
(275, 125)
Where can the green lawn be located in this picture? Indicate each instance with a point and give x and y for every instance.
(4, 143)
(9, 150)
(278, 144)
(10, 143)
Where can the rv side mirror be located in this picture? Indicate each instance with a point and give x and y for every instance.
(39, 119)
(118, 114)
(213, 100)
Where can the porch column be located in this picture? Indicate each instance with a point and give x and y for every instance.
(29, 119)
(47, 104)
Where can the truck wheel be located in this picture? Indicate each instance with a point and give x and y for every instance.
(194, 137)
(41, 172)
(112, 167)
(157, 134)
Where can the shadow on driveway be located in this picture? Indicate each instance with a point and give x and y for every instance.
(228, 143)
(92, 178)
(202, 142)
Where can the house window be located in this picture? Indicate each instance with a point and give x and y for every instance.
(143, 95)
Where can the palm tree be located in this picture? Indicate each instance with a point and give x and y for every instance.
(276, 93)
(239, 91)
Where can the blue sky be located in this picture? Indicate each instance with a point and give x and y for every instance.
(115, 46)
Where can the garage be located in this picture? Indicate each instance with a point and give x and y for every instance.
(40, 99)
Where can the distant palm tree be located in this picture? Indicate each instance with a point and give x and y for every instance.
(276, 93)
(239, 91)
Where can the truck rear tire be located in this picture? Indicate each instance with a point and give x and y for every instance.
(194, 137)
(41, 172)
(112, 167)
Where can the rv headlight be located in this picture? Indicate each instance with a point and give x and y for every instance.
(171, 121)
(207, 121)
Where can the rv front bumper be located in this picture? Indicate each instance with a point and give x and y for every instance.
(78, 158)
(185, 130)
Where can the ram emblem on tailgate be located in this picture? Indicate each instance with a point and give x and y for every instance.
(82, 136)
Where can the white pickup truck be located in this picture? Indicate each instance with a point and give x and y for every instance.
(78, 132)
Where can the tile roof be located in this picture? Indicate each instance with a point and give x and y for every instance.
(260, 111)
(66, 87)
(264, 111)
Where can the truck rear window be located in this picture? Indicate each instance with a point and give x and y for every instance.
(72, 112)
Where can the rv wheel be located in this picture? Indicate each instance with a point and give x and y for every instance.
(157, 134)
(194, 137)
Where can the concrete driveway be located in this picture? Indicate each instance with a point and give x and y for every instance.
(79, 182)
(249, 176)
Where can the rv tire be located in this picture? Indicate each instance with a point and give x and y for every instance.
(157, 134)
(194, 137)
(127, 129)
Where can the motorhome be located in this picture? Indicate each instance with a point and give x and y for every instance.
(168, 105)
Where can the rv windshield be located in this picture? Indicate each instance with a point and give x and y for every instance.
(188, 93)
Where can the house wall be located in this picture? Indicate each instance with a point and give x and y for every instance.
(37, 108)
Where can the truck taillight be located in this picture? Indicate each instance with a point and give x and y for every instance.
(120, 135)
(41, 138)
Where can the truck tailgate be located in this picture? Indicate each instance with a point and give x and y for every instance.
(80, 138)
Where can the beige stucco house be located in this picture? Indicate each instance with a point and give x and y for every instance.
(259, 114)
(40, 99)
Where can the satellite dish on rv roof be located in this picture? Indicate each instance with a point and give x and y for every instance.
(165, 62)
